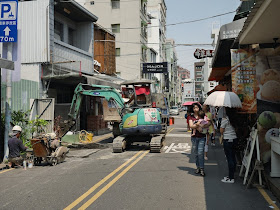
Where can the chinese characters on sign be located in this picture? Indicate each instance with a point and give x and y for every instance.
(8, 20)
(150, 115)
(244, 83)
(201, 53)
(244, 75)
(230, 34)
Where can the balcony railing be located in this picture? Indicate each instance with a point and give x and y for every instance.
(65, 55)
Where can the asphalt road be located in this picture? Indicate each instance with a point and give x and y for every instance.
(135, 179)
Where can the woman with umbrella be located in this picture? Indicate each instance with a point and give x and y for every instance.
(229, 100)
(198, 139)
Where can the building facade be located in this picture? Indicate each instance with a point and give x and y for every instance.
(156, 37)
(198, 77)
(128, 20)
(171, 79)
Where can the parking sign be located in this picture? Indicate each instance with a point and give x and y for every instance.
(8, 20)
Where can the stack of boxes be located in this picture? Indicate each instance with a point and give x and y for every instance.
(95, 120)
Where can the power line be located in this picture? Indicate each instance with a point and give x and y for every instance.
(184, 22)
(191, 44)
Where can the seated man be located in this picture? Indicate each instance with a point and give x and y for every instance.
(15, 147)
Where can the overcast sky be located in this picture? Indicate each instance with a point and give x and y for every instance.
(199, 32)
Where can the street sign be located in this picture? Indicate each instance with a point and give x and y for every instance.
(8, 20)
(202, 53)
(155, 67)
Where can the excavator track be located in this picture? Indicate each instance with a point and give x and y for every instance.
(119, 144)
(156, 143)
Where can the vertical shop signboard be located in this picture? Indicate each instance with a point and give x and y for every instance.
(244, 84)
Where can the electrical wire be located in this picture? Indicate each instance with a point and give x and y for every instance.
(184, 22)
(114, 41)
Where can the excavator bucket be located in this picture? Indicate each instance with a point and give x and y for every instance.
(110, 114)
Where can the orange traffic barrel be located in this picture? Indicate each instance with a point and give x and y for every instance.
(171, 120)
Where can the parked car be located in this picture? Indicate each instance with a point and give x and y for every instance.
(174, 110)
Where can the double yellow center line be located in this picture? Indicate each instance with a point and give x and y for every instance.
(141, 154)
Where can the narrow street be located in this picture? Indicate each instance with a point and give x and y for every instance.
(135, 179)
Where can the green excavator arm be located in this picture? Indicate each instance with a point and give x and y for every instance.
(91, 90)
(82, 90)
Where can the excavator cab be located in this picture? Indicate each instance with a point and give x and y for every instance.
(137, 93)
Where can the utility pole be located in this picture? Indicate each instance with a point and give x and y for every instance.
(8, 102)
(9, 14)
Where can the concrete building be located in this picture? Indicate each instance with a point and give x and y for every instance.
(54, 39)
(53, 54)
(128, 20)
(157, 35)
(188, 87)
(203, 86)
(171, 80)
(198, 77)
(184, 73)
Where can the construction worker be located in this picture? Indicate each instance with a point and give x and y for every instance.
(15, 147)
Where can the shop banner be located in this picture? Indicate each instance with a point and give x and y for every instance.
(244, 83)
(268, 100)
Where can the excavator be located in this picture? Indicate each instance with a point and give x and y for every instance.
(136, 120)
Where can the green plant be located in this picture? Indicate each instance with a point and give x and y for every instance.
(38, 125)
(21, 118)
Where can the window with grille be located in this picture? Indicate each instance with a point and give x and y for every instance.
(115, 4)
(115, 28)
(118, 51)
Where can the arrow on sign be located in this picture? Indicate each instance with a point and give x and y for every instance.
(7, 31)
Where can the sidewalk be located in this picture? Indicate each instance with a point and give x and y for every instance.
(274, 185)
(217, 153)
(98, 142)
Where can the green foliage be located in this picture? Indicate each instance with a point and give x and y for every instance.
(38, 125)
(21, 118)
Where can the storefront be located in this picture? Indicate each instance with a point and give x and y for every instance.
(261, 35)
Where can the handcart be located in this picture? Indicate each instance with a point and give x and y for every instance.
(48, 150)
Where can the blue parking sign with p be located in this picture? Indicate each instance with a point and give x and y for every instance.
(8, 20)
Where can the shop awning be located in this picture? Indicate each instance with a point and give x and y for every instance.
(75, 78)
(218, 88)
(218, 74)
(222, 58)
(262, 24)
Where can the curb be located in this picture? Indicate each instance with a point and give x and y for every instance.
(4, 166)
(274, 186)
(87, 146)
(82, 156)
